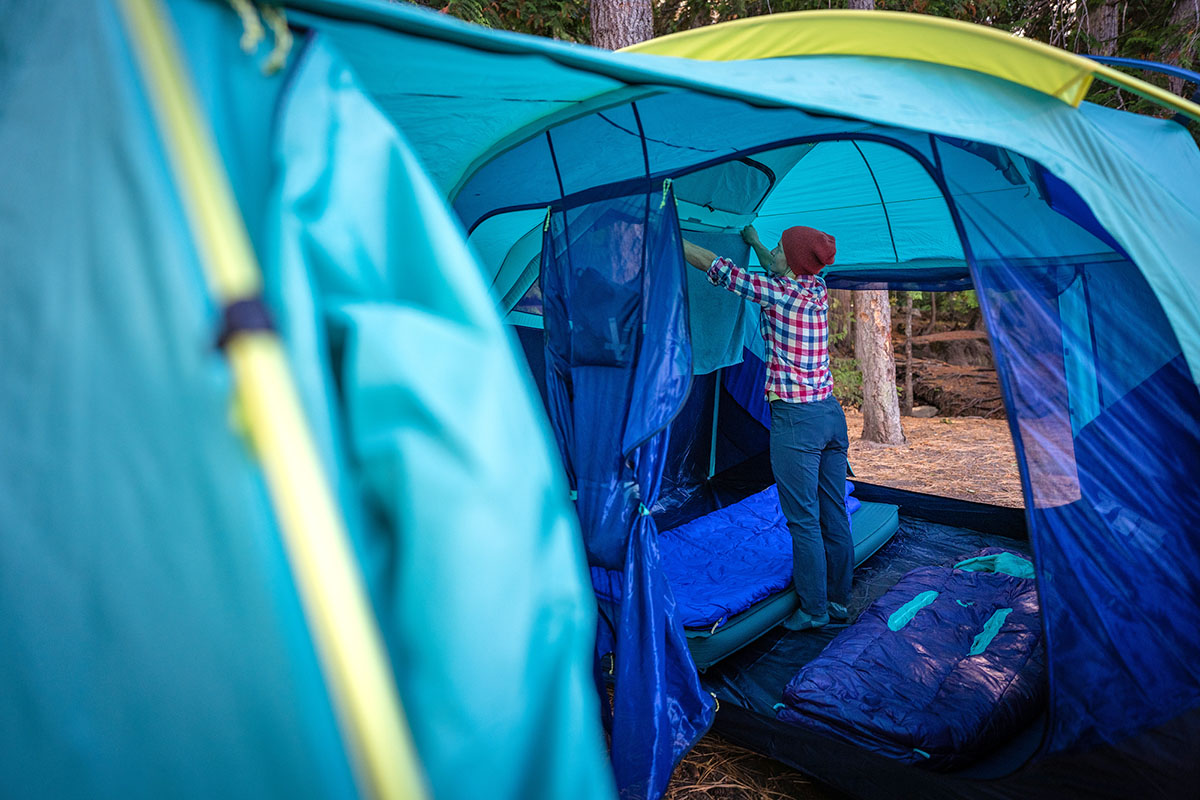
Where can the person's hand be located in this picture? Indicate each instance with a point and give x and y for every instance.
(749, 235)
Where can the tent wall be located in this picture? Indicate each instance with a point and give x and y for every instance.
(1107, 448)
(618, 358)
(375, 285)
(156, 644)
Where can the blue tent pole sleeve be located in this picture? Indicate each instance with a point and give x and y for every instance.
(1164, 69)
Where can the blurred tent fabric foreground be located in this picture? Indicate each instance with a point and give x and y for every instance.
(156, 640)
(395, 175)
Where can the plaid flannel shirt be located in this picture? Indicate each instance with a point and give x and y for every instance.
(794, 327)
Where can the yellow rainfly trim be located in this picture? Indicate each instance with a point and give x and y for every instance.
(343, 625)
(886, 34)
(914, 37)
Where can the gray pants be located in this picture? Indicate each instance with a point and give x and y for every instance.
(808, 456)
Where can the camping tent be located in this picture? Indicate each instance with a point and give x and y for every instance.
(970, 160)
(168, 620)
(964, 157)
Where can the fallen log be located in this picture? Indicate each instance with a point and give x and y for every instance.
(948, 336)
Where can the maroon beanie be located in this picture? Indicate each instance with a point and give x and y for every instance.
(808, 250)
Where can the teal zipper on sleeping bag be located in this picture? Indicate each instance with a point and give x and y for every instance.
(903, 615)
(990, 629)
(1005, 563)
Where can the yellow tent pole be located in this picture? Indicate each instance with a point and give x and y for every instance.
(912, 37)
(345, 631)
(1147, 90)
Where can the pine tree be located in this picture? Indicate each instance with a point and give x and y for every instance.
(620, 23)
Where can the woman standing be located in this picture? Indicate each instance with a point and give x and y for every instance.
(808, 429)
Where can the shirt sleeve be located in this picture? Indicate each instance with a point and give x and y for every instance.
(765, 291)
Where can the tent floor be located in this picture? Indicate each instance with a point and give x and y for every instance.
(752, 679)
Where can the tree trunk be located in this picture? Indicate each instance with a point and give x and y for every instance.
(620, 23)
(908, 378)
(932, 312)
(1103, 26)
(861, 5)
(873, 345)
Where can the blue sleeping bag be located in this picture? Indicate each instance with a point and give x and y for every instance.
(946, 666)
(728, 560)
(724, 562)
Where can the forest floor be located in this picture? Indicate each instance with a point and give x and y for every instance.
(962, 457)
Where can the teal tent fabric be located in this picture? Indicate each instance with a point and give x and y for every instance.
(885, 206)
(156, 644)
(1033, 197)
(465, 564)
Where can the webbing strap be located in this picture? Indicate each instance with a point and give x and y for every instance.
(242, 316)
(343, 626)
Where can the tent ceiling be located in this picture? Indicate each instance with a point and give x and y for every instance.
(425, 71)
(875, 195)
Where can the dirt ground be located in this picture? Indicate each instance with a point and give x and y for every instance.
(961, 457)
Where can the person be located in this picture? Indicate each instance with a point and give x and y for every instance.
(808, 428)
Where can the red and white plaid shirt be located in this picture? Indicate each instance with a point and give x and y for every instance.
(794, 327)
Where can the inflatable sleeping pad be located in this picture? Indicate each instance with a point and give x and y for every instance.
(946, 666)
(731, 570)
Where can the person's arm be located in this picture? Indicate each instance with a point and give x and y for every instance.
(697, 256)
(765, 257)
(723, 272)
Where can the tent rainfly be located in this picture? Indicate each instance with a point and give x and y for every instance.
(397, 182)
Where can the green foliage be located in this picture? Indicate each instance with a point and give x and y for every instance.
(955, 308)
(567, 20)
(836, 338)
(677, 15)
(847, 381)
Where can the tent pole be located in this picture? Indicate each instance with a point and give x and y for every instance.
(345, 631)
(712, 448)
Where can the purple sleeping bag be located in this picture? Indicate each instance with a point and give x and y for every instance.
(943, 668)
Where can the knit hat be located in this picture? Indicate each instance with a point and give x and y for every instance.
(808, 250)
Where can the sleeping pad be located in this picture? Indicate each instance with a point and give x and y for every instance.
(944, 667)
(731, 569)
(722, 563)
